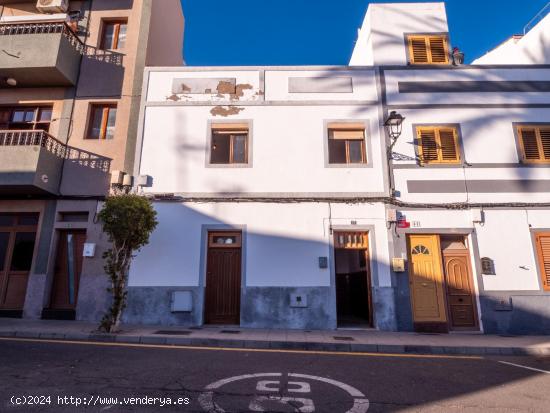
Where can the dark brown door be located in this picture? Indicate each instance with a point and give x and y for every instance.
(223, 279)
(459, 289)
(17, 241)
(68, 266)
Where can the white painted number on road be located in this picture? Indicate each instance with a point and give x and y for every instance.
(271, 383)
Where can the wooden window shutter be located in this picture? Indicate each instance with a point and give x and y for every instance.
(545, 142)
(543, 249)
(534, 144)
(438, 145)
(424, 49)
(427, 145)
(418, 50)
(448, 145)
(438, 49)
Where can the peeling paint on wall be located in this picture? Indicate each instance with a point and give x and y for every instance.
(225, 87)
(225, 111)
(239, 91)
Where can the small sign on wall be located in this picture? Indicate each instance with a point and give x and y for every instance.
(89, 250)
(487, 266)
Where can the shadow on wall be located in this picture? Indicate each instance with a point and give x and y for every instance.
(273, 268)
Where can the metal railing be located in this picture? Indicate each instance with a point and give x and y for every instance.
(52, 145)
(14, 29)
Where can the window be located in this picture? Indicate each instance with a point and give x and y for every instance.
(534, 143)
(26, 118)
(438, 145)
(428, 49)
(543, 252)
(229, 144)
(114, 35)
(102, 122)
(346, 143)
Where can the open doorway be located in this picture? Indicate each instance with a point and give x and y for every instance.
(353, 298)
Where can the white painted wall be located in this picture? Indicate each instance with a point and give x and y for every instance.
(533, 48)
(381, 39)
(282, 242)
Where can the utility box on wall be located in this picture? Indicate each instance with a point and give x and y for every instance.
(182, 302)
(298, 300)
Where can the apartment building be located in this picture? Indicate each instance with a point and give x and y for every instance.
(70, 89)
(406, 191)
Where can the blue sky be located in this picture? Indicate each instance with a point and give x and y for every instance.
(302, 32)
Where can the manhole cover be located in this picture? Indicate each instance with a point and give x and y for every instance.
(173, 333)
(342, 338)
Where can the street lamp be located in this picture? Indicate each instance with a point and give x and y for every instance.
(10, 81)
(394, 124)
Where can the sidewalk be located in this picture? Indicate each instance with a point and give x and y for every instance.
(371, 341)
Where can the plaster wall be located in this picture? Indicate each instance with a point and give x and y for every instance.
(381, 39)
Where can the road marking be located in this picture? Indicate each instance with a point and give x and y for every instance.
(206, 399)
(241, 350)
(524, 367)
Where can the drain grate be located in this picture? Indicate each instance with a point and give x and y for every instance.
(230, 332)
(173, 332)
(343, 338)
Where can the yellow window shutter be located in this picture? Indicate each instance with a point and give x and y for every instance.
(427, 145)
(448, 145)
(545, 142)
(438, 49)
(528, 138)
(418, 50)
(543, 247)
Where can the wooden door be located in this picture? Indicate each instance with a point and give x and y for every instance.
(459, 289)
(223, 279)
(17, 242)
(426, 281)
(68, 267)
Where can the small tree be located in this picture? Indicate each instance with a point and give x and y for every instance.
(128, 220)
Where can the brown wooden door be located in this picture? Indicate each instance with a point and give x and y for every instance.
(459, 289)
(223, 279)
(68, 266)
(17, 242)
(426, 280)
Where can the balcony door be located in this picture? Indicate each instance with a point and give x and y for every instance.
(26, 118)
(17, 241)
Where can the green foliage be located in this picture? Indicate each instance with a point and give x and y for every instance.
(128, 220)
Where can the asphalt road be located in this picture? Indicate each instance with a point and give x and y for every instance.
(49, 374)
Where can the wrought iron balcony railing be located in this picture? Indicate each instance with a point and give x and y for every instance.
(50, 27)
(48, 142)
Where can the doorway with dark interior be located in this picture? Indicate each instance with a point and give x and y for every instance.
(353, 284)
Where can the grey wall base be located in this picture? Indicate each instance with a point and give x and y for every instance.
(152, 305)
(528, 314)
(93, 298)
(384, 308)
(269, 307)
(34, 298)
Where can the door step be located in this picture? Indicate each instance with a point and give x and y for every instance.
(51, 314)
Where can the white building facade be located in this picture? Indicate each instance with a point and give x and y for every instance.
(279, 208)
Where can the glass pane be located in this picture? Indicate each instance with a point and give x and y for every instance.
(110, 133)
(23, 248)
(31, 219)
(4, 240)
(219, 152)
(29, 115)
(70, 267)
(18, 115)
(224, 240)
(6, 220)
(122, 37)
(45, 115)
(108, 36)
(336, 151)
(95, 126)
(239, 149)
(355, 149)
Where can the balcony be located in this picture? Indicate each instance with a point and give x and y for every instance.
(32, 163)
(45, 54)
